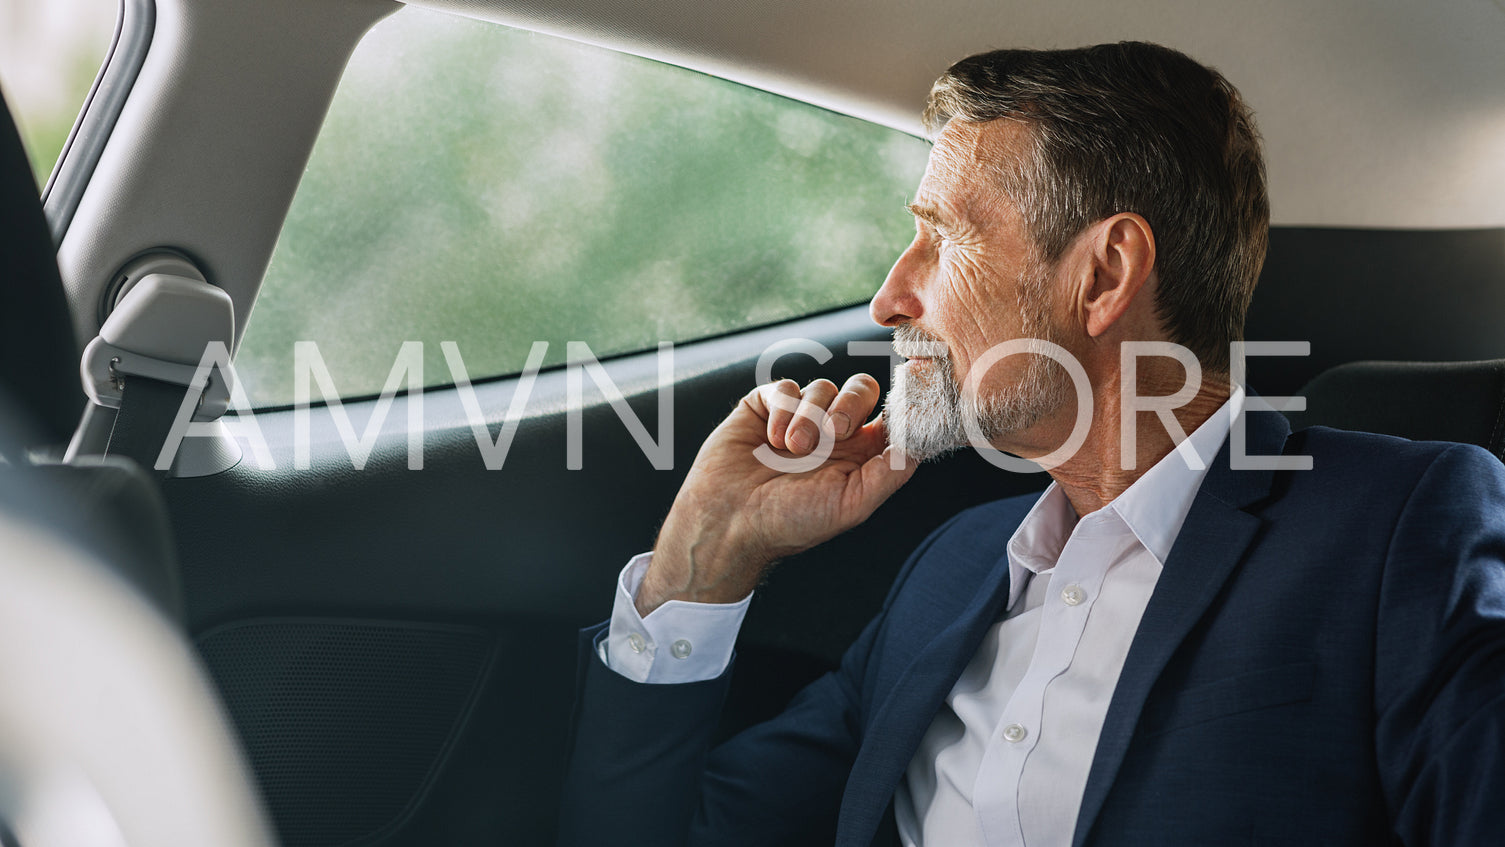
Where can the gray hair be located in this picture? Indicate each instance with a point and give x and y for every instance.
(1132, 127)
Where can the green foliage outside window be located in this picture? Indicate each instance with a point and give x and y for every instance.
(495, 187)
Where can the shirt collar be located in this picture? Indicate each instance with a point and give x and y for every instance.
(1153, 508)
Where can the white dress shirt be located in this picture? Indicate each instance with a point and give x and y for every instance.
(679, 641)
(1006, 760)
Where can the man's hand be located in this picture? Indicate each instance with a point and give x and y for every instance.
(735, 515)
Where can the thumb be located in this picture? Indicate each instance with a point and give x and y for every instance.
(881, 476)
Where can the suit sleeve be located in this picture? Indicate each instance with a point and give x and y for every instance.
(1440, 658)
(641, 770)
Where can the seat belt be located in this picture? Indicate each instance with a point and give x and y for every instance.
(148, 408)
(146, 355)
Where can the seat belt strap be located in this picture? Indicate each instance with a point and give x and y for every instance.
(148, 408)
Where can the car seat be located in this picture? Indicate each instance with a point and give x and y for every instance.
(107, 506)
(1424, 401)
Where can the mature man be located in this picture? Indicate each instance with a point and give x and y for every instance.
(1187, 639)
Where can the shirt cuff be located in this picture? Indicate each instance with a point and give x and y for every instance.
(679, 641)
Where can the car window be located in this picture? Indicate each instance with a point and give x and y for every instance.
(495, 187)
(49, 55)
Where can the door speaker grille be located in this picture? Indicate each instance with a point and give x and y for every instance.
(345, 722)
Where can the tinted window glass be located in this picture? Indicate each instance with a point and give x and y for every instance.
(495, 187)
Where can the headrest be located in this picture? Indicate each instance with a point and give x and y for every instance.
(1424, 401)
(1364, 295)
(38, 353)
(108, 508)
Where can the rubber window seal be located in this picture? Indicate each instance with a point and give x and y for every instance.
(134, 25)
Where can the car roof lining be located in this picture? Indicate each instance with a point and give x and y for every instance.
(1375, 113)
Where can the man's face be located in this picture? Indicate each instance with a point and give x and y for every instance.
(970, 280)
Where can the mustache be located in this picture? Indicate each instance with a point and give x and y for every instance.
(911, 342)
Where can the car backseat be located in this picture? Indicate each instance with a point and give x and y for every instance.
(1424, 401)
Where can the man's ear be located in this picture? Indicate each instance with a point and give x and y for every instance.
(1120, 252)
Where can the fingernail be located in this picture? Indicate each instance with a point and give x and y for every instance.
(840, 424)
(799, 440)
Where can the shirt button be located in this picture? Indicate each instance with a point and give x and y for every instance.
(1071, 595)
(680, 649)
(637, 643)
(1014, 733)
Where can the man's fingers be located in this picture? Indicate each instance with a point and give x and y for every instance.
(778, 402)
(796, 417)
(852, 406)
(804, 428)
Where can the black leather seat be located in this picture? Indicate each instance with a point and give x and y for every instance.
(1424, 401)
(110, 508)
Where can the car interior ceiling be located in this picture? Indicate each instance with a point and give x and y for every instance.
(370, 633)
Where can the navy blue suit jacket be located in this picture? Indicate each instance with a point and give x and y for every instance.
(1322, 662)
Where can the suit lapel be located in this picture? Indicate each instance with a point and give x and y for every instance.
(1212, 542)
(901, 720)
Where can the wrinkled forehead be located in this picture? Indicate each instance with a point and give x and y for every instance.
(973, 166)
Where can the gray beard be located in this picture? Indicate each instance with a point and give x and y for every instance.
(926, 413)
(923, 413)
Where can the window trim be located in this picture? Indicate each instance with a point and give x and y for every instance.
(134, 25)
(697, 344)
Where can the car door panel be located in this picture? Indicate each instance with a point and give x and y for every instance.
(335, 595)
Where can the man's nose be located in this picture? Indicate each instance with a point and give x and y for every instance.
(898, 300)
